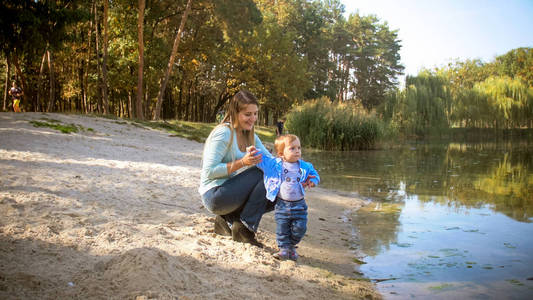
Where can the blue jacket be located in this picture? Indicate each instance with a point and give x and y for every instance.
(272, 169)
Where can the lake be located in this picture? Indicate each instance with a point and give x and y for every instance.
(445, 221)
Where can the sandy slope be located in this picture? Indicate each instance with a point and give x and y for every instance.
(113, 213)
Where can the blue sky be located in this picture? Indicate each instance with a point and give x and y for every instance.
(435, 32)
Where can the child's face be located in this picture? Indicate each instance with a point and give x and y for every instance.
(292, 151)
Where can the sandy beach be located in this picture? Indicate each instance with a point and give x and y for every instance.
(113, 212)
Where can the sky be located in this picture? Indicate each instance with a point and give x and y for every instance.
(435, 32)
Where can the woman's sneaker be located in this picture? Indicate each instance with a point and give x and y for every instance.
(221, 227)
(241, 234)
(283, 254)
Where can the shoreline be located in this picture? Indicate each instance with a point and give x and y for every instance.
(113, 211)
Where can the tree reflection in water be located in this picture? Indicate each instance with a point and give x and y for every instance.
(497, 175)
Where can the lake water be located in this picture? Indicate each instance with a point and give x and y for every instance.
(446, 221)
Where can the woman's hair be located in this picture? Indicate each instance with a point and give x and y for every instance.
(238, 102)
(282, 141)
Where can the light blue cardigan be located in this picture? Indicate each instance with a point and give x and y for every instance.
(216, 156)
(272, 170)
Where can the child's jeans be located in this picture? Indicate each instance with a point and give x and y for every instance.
(291, 222)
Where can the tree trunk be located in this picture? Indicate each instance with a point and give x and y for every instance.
(98, 63)
(130, 110)
(104, 62)
(87, 62)
(52, 81)
(146, 107)
(8, 71)
(140, 29)
(79, 102)
(40, 81)
(164, 82)
(180, 99)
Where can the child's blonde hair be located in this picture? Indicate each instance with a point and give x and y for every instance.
(282, 141)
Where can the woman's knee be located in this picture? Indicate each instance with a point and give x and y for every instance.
(219, 204)
(254, 174)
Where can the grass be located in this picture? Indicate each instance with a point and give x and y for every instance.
(57, 125)
(67, 129)
(195, 131)
(198, 131)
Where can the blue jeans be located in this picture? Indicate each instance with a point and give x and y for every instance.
(291, 221)
(242, 197)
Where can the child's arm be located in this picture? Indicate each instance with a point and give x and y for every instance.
(312, 172)
(267, 161)
(313, 179)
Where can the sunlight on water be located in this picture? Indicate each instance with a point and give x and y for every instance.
(445, 222)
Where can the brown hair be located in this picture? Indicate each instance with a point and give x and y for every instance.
(282, 141)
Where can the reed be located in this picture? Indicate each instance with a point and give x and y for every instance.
(324, 125)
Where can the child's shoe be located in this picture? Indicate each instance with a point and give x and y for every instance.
(283, 254)
(293, 255)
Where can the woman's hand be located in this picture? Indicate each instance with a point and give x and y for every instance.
(252, 156)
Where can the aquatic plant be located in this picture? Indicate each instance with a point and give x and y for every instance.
(327, 125)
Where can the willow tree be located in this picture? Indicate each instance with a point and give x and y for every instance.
(423, 106)
(510, 101)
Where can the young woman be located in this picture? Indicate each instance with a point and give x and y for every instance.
(231, 185)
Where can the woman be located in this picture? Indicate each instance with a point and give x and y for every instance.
(231, 186)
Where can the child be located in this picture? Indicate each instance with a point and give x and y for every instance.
(283, 177)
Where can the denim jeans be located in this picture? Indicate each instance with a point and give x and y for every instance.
(291, 222)
(242, 197)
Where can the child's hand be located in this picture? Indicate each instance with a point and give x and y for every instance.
(252, 157)
(308, 183)
(253, 151)
(250, 148)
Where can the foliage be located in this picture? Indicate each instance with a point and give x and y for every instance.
(422, 107)
(334, 126)
(282, 51)
(465, 94)
(516, 63)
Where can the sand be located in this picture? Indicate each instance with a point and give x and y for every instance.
(113, 212)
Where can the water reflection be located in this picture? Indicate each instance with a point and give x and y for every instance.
(471, 175)
(446, 220)
(378, 225)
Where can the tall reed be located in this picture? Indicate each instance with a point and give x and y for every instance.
(325, 125)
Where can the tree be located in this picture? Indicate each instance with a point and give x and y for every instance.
(104, 62)
(375, 59)
(164, 81)
(516, 63)
(140, 30)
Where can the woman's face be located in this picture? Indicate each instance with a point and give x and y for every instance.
(247, 117)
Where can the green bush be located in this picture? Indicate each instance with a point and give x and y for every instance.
(325, 125)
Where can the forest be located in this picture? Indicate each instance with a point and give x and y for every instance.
(183, 60)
